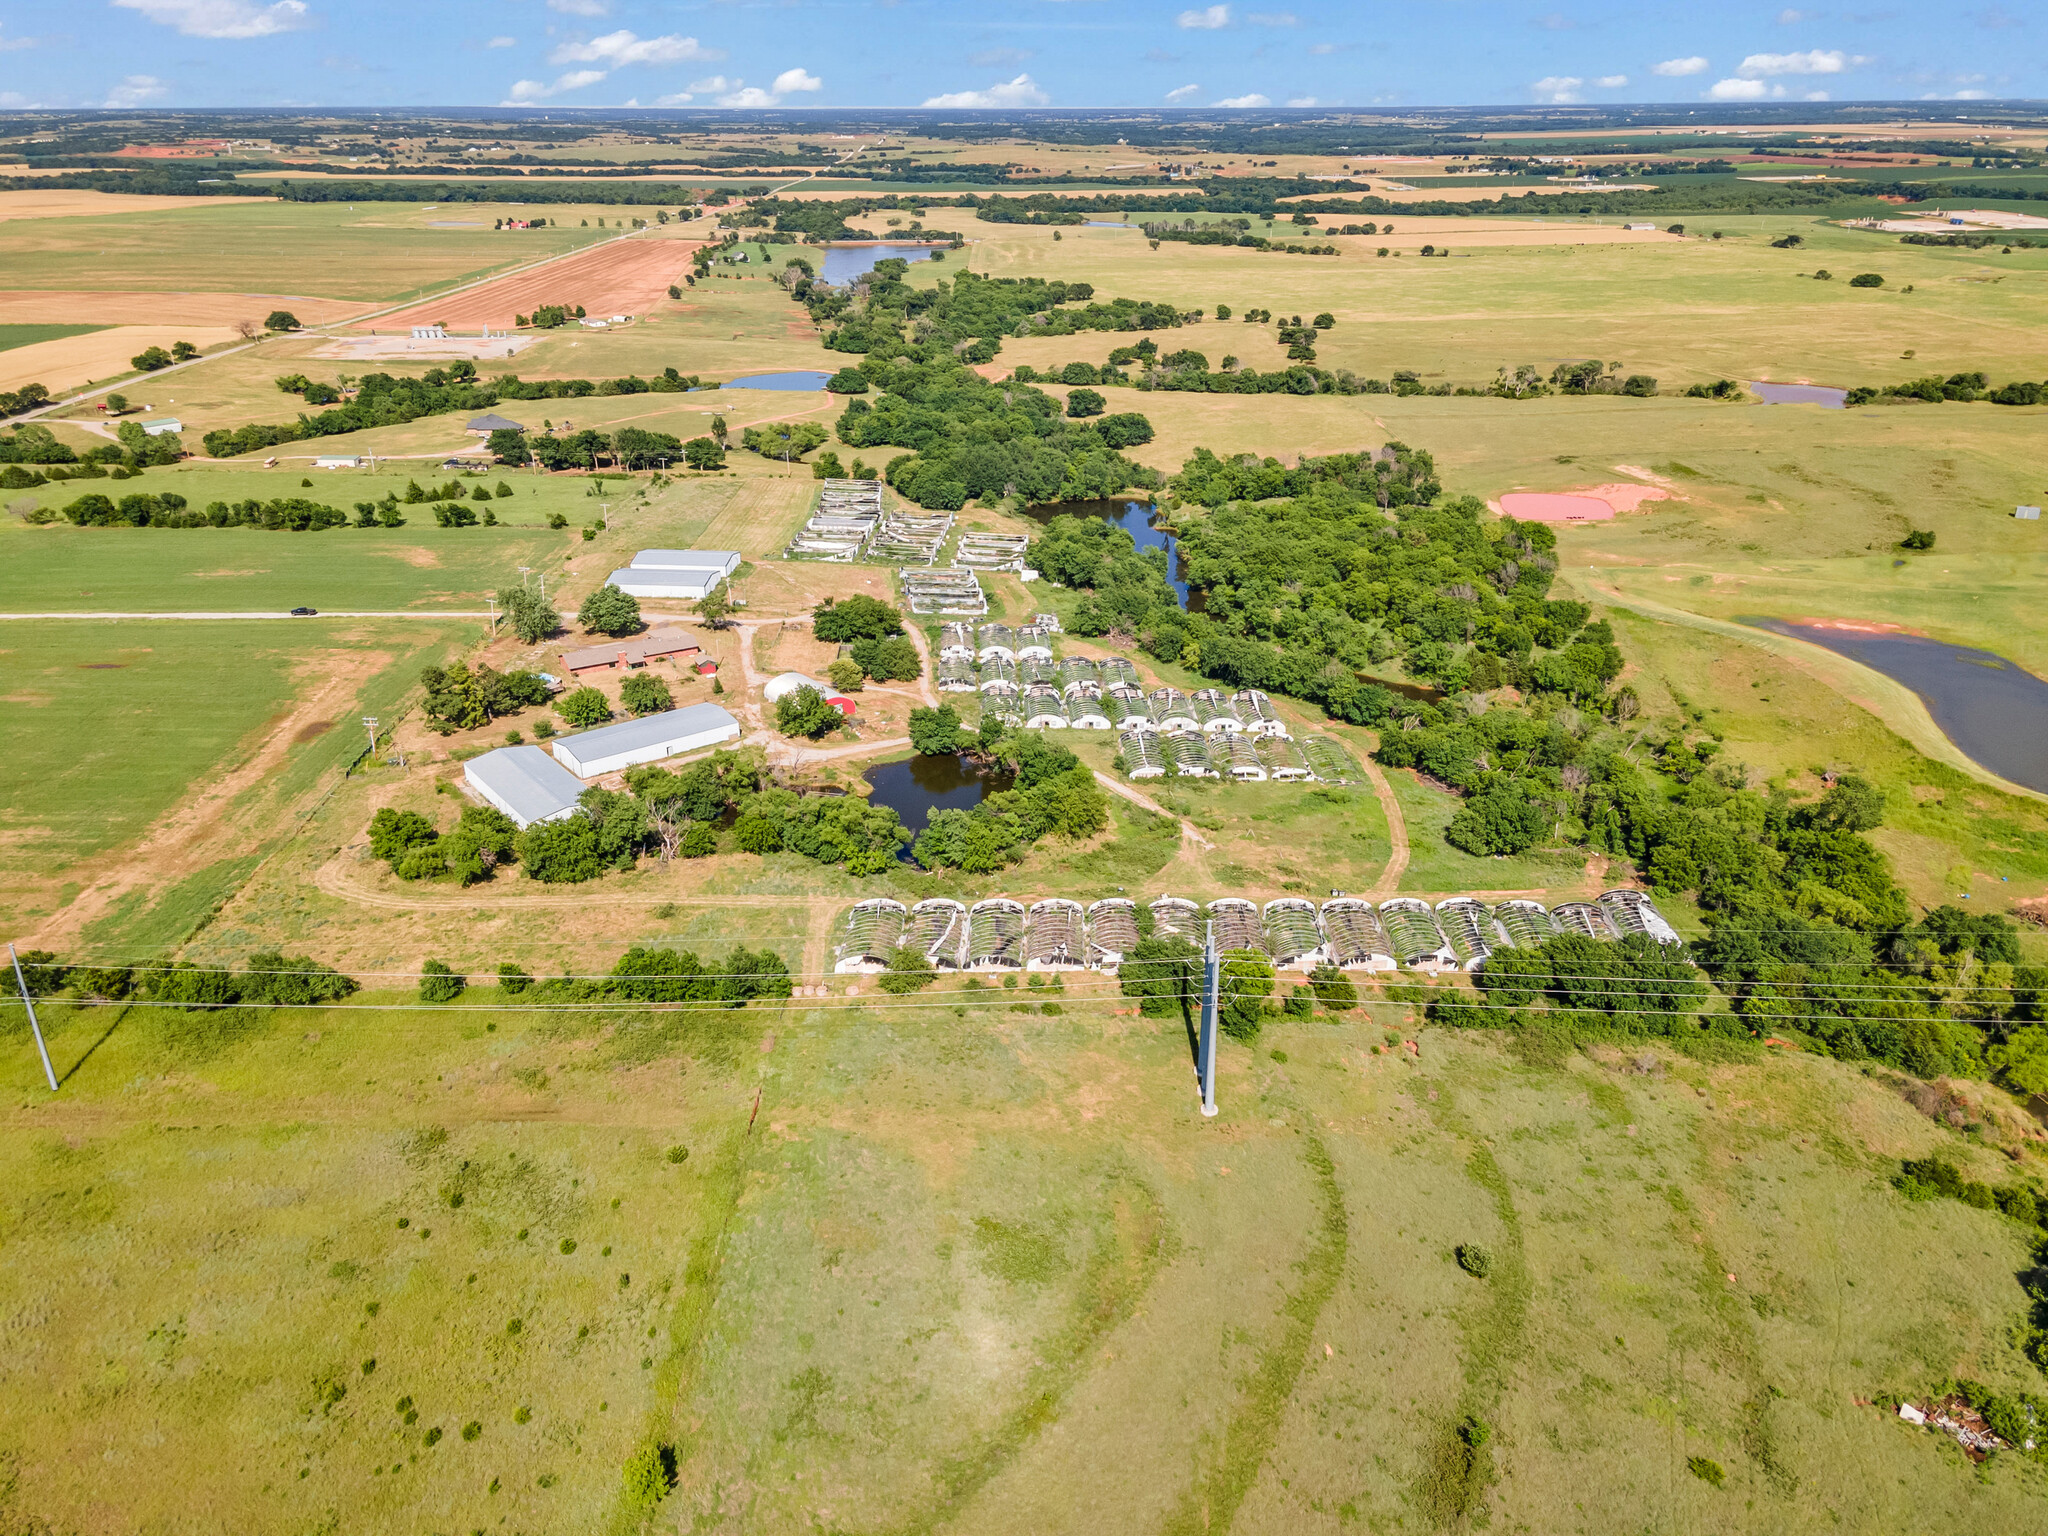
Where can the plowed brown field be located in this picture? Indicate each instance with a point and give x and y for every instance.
(625, 277)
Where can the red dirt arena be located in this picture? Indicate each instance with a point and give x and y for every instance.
(623, 277)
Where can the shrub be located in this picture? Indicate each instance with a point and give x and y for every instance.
(1866, 280)
(1918, 538)
(1474, 1260)
(584, 707)
(1085, 402)
(678, 1154)
(846, 675)
(522, 1414)
(650, 1474)
(1333, 989)
(568, 1245)
(438, 984)
(701, 840)
(472, 1430)
(645, 694)
(1706, 1471)
(512, 980)
(908, 971)
(432, 1436)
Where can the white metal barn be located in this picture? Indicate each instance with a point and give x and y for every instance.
(612, 747)
(525, 783)
(688, 574)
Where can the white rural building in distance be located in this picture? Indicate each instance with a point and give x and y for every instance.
(630, 742)
(688, 574)
(525, 783)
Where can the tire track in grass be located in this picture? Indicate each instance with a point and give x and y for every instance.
(1120, 1271)
(1210, 1504)
(1460, 1467)
(675, 1376)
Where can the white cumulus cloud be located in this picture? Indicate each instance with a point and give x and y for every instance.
(1253, 100)
(1558, 90)
(1205, 20)
(1815, 61)
(502, 42)
(1020, 92)
(135, 90)
(1183, 92)
(1672, 67)
(1303, 101)
(750, 96)
(674, 99)
(526, 91)
(1611, 82)
(711, 85)
(224, 18)
(1738, 90)
(617, 49)
(791, 81)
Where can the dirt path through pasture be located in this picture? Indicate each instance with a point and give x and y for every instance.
(1397, 830)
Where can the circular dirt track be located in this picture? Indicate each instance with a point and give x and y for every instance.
(623, 277)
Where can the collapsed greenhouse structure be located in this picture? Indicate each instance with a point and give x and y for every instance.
(1402, 933)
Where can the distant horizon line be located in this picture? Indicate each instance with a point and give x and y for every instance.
(1717, 110)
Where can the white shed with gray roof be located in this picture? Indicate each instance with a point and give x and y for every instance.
(525, 783)
(612, 747)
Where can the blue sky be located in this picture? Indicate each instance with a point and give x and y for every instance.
(1003, 53)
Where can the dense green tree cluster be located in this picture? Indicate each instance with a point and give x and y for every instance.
(1125, 586)
(169, 510)
(383, 400)
(482, 839)
(458, 699)
(269, 978)
(1053, 794)
(971, 438)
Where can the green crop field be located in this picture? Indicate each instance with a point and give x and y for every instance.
(118, 723)
(324, 250)
(12, 336)
(456, 1275)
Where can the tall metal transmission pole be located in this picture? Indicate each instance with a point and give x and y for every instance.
(1205, 1049)
(28, 1002)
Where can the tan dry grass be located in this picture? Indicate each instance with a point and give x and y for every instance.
(74, 360)
(30, 306)
(64, 202)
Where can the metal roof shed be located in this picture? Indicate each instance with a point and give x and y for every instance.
(525, 783)
(612, 747)
(723, 561)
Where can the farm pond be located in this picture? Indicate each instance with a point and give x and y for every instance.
(843, 263)
(1995, 711)
(918, 786)
(1135, 518)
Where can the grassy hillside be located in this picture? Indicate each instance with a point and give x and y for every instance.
(961, 1248)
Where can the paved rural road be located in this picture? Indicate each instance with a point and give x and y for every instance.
(326, 613)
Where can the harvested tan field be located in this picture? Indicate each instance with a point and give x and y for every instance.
(56, 306)
(61, 203)
(76, 360)
(625, 277)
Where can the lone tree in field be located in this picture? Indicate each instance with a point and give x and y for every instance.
(703, 453)
(608, 611)
(281, 320)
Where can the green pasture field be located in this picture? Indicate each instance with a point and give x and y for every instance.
(12, 336)
(421, 566)
(116, 723)
(961, 1244)
(326, 250)
(1683, 311)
